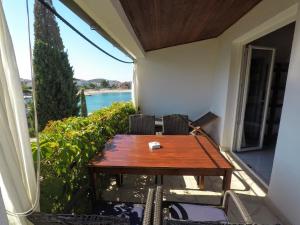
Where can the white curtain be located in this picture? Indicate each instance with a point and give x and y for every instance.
(3, 217)
(135, 87)
(17, 174)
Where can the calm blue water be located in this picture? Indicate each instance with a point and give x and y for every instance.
(95, 102)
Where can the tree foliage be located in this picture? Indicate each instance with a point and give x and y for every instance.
(45, 26)
(83, 107)
(104, 84)
(56, 91)
(66, 147)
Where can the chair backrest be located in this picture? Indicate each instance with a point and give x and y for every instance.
(176, 124)
(188, 211)
(141, 124)
(148, 207)
(69, 219)
(205, 120)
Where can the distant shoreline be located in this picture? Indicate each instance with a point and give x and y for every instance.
(95, 92)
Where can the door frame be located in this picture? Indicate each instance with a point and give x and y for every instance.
(243, 95)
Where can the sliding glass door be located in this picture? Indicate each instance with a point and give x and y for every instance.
(255, 97)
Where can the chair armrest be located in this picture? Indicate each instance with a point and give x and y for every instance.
(243, 211)
(148, 207)
(157, 206)
(195, 130)
(37, 218)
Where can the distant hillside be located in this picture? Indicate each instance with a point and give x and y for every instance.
(103, 83)
(91, 84)
(96, 80)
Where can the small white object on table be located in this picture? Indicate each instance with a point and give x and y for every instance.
(154, 145)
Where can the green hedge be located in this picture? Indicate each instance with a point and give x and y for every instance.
(67, 146)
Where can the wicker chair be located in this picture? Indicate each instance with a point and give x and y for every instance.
(158, 215)
(175, 124)
(68, 219)
(147, 220)
(141, 124)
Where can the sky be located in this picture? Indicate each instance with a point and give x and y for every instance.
(87, 61)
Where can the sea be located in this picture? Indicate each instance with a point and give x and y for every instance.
(101, 100)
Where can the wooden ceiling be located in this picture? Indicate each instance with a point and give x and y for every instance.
(164, 23)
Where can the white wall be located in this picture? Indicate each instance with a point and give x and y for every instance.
(177, 79)
(284, 189)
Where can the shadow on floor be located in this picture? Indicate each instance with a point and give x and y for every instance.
(185, 189)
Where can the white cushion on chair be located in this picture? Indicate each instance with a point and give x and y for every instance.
(194, 212)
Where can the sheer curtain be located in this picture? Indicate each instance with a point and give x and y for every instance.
(17, 174)
(135, 87)
(3, 217)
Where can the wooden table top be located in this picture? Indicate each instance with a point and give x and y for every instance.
(177, 151)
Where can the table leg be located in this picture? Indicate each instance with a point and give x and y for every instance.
(226, 184)
(227, 180)
(201, 182)
(93, 180)
(119, 179)
(161, 179)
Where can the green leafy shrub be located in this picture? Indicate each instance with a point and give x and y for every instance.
(67, 146)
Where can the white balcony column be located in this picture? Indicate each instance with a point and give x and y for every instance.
(285, 180)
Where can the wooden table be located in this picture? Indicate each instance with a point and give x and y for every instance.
(179, 155)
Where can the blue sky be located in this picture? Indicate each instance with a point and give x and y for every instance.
(87, 61)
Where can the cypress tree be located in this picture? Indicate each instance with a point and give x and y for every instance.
(56, 91)
(83, 103)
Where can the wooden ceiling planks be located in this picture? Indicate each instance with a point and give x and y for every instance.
(164, 23)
